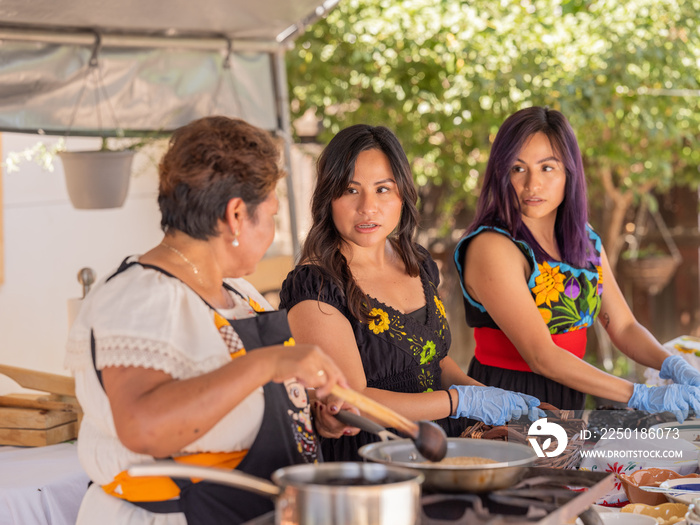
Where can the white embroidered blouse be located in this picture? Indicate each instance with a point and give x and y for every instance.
(145, 318)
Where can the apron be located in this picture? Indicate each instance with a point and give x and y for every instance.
(286, 420)
(283, 423)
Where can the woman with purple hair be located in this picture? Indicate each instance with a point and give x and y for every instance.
(533, 273)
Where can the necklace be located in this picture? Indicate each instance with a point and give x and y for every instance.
(182, 255)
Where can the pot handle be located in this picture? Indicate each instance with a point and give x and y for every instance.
(361, 422)
(232, 478)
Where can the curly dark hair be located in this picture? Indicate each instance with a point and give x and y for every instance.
(335, 169)
(210, 161)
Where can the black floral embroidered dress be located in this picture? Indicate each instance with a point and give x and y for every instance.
(399, 352)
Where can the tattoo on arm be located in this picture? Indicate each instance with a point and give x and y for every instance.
(606, 320)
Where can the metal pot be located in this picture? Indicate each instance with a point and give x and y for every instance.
(343, 493)
(512, 463)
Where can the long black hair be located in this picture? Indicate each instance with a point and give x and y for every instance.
(335, 169)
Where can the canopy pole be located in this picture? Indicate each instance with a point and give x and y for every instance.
(285, 129)
(86, 38)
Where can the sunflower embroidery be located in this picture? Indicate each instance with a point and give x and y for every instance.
(546, 314)
(573, 308)
(289, 342)
(379, 325)
(549, 284)
(255, 306)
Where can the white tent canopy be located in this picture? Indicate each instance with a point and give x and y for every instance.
(93, 67)
(96, 67)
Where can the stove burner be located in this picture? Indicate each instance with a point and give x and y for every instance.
(542, 497)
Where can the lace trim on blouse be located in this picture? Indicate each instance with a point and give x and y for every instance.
(143, 353)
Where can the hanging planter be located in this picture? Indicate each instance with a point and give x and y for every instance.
(97, 179)
(651, 273)
(654, 271)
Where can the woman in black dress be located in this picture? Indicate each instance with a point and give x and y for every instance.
(367, 294)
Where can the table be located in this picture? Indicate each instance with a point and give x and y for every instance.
(41, 486)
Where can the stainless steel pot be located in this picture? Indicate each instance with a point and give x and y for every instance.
(343, 493)
(512, 462)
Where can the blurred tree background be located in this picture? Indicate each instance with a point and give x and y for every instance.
(445, 74)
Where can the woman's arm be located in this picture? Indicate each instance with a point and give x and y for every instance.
(624, 330)
(157, 415)
(495, 274)
(320, 324)
(452, 374)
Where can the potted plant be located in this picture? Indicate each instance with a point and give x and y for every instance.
(649, 269)
(647, 265)
(95, 179)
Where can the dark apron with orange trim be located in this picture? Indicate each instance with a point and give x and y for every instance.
(286, 436)
(209, 503)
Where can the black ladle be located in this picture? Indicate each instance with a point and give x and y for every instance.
(429, 438)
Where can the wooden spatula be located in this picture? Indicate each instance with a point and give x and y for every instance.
(43, 381)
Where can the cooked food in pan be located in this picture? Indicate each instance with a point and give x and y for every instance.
(463, 460)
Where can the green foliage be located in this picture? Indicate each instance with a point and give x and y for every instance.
(445, 74)
(40, 153)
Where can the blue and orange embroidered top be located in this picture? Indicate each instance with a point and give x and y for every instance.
(567, 297)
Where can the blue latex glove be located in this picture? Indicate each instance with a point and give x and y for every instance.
(672, 398)
(494, 406)
(679, 371)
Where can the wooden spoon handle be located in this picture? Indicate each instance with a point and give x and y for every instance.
(378, 411)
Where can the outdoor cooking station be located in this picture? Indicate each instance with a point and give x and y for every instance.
(541, 498)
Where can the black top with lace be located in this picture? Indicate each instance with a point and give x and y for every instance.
(399, 352)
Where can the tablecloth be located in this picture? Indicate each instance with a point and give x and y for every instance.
(41, 486)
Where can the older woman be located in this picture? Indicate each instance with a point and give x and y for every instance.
(367, 293)
(175, 355)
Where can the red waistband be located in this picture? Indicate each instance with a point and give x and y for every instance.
(493, 348)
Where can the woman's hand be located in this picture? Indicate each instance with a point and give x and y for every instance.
(310, 366)
(679, 371)
(495, 406)
(325, 421)
(675, 398)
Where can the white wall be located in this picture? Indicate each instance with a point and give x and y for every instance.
(46, 242)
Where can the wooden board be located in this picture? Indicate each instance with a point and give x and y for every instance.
(39, 401)
(12, 417)
(27, 437)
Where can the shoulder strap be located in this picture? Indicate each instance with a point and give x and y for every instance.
(232, 289)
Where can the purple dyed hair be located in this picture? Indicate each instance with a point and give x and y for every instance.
(498, 204)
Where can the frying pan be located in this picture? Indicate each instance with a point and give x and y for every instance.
(512, 459)
(512, 463)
